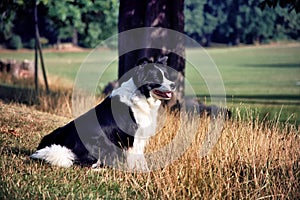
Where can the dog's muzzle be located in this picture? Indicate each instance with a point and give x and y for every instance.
(164, 92)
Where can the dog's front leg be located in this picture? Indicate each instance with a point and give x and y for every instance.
(135, 156)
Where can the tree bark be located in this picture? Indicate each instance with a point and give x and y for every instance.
(75, 37)
(38, 51)
(154, 13)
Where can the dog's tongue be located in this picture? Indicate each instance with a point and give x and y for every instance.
(163, 94)
(169, 94)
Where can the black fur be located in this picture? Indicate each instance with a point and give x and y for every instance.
(108, 127)
(147, 78)
(114, 127)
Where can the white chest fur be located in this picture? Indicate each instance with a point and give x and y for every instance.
(145, 114)
(144, 110)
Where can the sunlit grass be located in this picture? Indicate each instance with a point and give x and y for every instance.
(271, 70)
(251, 160)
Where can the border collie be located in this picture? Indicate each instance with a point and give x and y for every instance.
(117, 128)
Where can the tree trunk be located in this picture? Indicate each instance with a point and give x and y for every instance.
(75, 37)
(153, 13)
(38, 51)
(208, 39)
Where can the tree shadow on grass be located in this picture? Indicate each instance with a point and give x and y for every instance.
(268, 98)
(20, 152)
(15, 94)
(16, 151)
(274, 65)
(29, 96)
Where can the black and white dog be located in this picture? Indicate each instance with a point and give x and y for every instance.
(119, 126)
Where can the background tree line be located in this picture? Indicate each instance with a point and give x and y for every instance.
(239, 21)
(85, 23)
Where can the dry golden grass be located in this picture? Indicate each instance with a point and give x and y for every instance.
(251, 160)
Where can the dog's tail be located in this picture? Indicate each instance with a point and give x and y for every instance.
(56, 155)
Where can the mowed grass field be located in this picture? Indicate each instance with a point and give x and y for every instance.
(265, 79)
(256, 157)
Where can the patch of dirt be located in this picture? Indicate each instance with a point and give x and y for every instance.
(51, 49)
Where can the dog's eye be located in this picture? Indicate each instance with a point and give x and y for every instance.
(154, 85)
(165, 72)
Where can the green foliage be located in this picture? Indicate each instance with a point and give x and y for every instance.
(290, 4)
(14, 42)
(82, 22)
(6, 25)
(30, 44)
(87, 23)
(288, 23)
(90, 21)
(194, 19)
(243, 21)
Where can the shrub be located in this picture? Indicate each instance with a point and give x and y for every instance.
(14, 42)
(44, 41)
(30, 44)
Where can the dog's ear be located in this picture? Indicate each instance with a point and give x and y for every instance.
(163, 60)
(143, 61)
(139, 73)
(142, 72)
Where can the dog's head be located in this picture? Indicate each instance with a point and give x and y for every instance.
(152, 79)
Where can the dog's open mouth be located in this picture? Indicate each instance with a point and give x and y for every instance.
(163, 95)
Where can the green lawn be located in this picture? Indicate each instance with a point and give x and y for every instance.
(263, 77)
(256, 71)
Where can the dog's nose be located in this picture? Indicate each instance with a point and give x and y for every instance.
(172, 86)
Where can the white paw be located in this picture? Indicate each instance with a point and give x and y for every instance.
(96, 165)
(137, 162)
